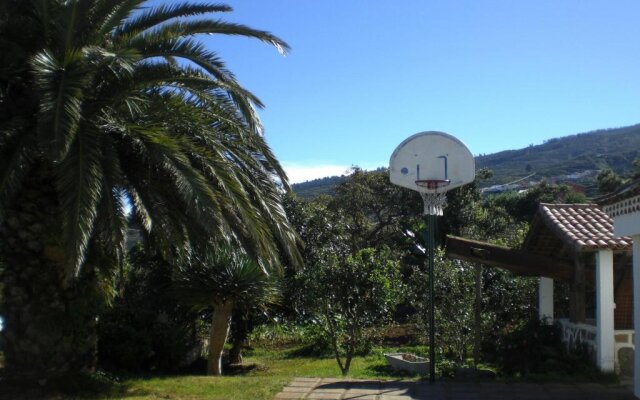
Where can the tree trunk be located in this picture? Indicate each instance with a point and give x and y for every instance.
(49, 320)
(220, 323)
(235, 354)
(240, 335)
(347, 360)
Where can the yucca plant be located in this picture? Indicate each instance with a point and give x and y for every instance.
(107, 105)
(222, 280)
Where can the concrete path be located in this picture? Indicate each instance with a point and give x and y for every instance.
(338, 389)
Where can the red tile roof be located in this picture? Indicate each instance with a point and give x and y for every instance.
(583, 226)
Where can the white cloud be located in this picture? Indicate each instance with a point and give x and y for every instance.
(299, 173)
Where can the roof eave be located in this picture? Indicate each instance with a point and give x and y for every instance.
(629, 190)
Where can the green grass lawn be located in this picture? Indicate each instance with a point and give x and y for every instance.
(273, 370)
(266, 372)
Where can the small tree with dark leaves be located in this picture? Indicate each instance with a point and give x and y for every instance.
(350, 296)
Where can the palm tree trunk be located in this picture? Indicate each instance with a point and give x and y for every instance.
(48, 320)
(220, 323)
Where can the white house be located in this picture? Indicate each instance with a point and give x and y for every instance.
(574, 244)
(623, 206)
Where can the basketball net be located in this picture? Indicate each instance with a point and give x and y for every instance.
(434, 203)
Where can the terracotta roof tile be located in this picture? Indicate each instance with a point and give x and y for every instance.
(585, 226)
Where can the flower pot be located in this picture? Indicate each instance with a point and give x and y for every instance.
(408, 362)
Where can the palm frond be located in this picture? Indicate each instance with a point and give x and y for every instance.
(167, 154)
(111, 223)
(140, 209)
(130, 105)
(112, 13)
(119, 63)
(79, 184)
(61, 84)
(165, 12)
(212, 27)
(188, 49)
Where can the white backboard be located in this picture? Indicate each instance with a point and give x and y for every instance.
(431, 156)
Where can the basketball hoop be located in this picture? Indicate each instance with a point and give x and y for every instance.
(433, 184)
(431, 163)
(434, 202)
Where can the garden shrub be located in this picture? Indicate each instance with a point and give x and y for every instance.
(146, 329)
(278, 335)
(453, 306)
(537, 348)
(349, 298)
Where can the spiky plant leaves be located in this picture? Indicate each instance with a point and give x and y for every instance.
(223, 279)
(216, 276)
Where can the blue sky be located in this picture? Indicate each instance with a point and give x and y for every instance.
(365, 74)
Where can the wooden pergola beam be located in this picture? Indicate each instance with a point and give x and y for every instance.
(517, 261)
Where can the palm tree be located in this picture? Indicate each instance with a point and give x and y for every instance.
(107, 105)
(223, 280)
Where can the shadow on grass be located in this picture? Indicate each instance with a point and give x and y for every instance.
(81, 386)
(199, 368)
(243, 369)
(308, 351)
(385, 370)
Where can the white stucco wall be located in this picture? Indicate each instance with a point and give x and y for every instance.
(627, 224)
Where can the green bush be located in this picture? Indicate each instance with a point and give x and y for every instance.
(537, 348)
(350, 298)
(146, 329)
(277, 335)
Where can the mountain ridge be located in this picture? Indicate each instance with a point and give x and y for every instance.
(614, 148)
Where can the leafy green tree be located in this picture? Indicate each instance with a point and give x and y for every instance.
(366, 211)
(523, 206)
(465, 287)
(636, 169)
(323, 234)
(223, 280)
(349, 297)
(454, 292)
(320, 228)
(608, 181)
(484, 299)
(104, 105)
(374, 211)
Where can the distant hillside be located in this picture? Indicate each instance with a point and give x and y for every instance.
(316, 187)
(592, 151)
(613, 148)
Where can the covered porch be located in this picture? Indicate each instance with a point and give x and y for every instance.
(623, 206)
(572, 245)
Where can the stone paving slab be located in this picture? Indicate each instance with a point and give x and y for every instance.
(351, 396)
(303, 389)
(290, 396)
(354, 389)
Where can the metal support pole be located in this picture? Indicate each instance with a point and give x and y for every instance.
(431, 238)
